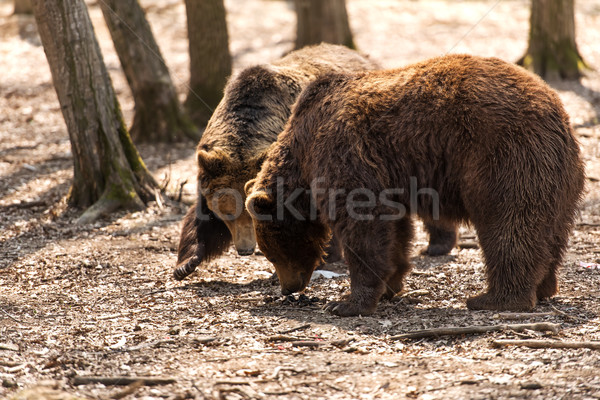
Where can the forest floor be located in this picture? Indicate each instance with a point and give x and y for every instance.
(100, 300)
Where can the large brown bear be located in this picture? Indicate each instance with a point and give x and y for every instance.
(459, 138)
(256, 105)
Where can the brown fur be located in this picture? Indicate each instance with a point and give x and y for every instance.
(493, 140)
(255, 107)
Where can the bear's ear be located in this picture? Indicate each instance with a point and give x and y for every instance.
(214, 162)
(249, 186)
(260, 204)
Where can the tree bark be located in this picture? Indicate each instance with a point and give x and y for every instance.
(23, 7)
(322, 21)
(159, 116)
(108, 171)
(552, 51)
(210, 60)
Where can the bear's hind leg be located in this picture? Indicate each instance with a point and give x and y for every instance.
(367, 247)
(442, 238)
(400, 257)
(549, 285)
(516, 263)
(333, 252)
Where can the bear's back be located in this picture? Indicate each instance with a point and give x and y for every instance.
(257, 101)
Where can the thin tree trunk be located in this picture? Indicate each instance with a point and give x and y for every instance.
(23, 7)
(108, 171)
(322, 21)
(552, 51)
(159, 116)
(210, 60)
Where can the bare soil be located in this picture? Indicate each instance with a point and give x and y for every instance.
(100, 300)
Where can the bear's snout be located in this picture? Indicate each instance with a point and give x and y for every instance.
(298, 284)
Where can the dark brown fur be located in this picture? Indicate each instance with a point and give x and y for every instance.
(256, 105)
(493, 140)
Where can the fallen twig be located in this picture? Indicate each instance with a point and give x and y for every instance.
(418, 292)
(8, 346)
(158, 197)
(238, 382)
(222, 391)
(434, 332)
(283, 338)
(563, 314)
(26, 204)
(121, 380)
(130, 389)
(468, 244)
(298, 328)
(9, 363)
(588, 224)
(204, 339)
(307, 343)
(513, 316)
(547, 344)
(11, 317)
(180, 191)
(341, 342)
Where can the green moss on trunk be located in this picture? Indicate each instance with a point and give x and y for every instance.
(552, 51)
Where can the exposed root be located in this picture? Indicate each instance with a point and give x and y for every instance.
(454, 330)
(107, 204)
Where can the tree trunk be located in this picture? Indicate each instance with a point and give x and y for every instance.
(108, 171)
(23, 7)
(552, 51)
(210, 61)
(322, 21)
(159, 116)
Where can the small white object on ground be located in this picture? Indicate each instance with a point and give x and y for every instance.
(325, 274)
(589, 265)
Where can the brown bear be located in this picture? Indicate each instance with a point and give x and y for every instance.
(255, 107)
(455, 139)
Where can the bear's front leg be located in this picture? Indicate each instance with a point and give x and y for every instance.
(359, 302)
(370, 268)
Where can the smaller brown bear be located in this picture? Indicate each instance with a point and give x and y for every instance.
(255, 107)
(453, 139)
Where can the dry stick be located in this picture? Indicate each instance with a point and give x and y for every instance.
(282, 338)
(525, 315)
(11, 317)
(513, 315)
(563, 314)
(27, 204)
(237, 390)
(307, 343)
(590, 224)
(298, 328)
(547, 344)
(434, 332)
(180, 193)
(7, 346)
(121, 380)
(130, 389)
(341, 342)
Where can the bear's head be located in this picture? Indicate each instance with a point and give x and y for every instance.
(293, 245)
(220, 182)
